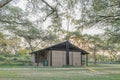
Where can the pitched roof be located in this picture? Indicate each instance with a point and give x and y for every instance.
(62, 46)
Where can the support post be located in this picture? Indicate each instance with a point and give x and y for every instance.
(37, 56)
(67, 53)
(81, 59)
(50, 56)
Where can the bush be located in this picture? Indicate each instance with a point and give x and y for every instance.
(14, 60)
(118, 62)
(2, 58)
(22, 52)
(7, 61)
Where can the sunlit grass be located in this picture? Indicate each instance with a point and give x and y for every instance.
(109, 72)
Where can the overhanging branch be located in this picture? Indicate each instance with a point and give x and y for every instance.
(53, 9)
(4, 2)
(10, 22)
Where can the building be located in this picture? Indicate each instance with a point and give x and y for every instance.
(62, 54)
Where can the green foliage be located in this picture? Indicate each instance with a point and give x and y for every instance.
(2, 58)
(103, 12)
(23, 52)
(10, 16)
(1, 36)
(8, 59)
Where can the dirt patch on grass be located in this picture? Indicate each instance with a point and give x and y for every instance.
(112, 71)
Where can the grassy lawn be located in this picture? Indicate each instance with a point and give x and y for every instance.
(100, 72)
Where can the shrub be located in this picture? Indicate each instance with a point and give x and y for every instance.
(2, 58)
(22, 51)
(7, 61)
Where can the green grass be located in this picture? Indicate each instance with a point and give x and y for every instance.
(100, 72)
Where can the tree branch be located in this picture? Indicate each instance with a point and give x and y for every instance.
(47, 4)
(53, 9)
(10, 22)
(37, 44)
(114, 16)
(4, 2)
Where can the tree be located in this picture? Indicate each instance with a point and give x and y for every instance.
(94, 45)
(80, 39)
(2, 43)
(74, 13)
(94, 10)
(4, 2)
(105, 12)
(15, 21)
(31, 34)
(11, 16)
(13, 44)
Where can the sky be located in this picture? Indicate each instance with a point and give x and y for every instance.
(94, 30)
(21, 4)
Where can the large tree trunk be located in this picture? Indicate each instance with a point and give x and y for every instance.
(4, 2)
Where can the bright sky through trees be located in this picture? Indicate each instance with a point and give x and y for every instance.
(22, 5)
